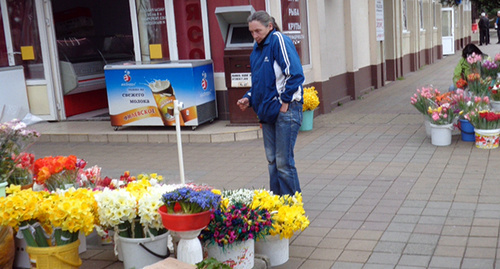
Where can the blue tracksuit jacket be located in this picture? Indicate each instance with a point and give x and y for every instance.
(277, 76)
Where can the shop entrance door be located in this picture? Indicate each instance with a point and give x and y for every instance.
(24, 56)
(448, 28)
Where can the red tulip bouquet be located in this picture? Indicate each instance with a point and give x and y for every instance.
(484, 119)
(58, 172)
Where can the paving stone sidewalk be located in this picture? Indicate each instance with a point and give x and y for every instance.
(378, 194)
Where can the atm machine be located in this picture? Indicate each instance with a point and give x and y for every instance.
(238, 47)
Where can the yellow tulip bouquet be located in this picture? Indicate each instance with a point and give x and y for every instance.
(311, 99)
(288, 214)
(49, 219)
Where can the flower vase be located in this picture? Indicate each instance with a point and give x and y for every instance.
(3, 186)
(274, 248)
(495, 105)
(238, 255)
(187, 227)
(140, 252)
(307, 120)
(441, 134)
(487, 139)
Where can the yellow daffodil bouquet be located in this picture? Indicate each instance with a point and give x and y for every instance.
(311, 99)
(48, 219)
(288, 214)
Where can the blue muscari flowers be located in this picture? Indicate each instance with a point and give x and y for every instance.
(191, 201)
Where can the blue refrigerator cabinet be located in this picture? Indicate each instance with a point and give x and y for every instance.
(143, 93)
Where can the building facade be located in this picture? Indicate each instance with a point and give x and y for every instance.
(347, 47)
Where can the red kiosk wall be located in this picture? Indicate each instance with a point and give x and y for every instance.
(216, 41)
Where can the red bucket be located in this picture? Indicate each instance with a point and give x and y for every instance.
(184, 222)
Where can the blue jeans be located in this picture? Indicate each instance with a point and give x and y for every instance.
(279, 141)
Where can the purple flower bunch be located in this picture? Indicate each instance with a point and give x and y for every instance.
(489, 68)
(187, 200)
(238, 222)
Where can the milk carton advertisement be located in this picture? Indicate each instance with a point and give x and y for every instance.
(144, 93)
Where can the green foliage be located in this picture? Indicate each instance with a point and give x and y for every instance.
(212, 263)
(488, 6)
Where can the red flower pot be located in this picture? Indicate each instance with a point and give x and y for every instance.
(184, 222)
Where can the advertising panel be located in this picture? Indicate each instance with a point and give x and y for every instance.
(144, 94)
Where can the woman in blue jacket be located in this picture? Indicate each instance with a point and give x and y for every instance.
(276, 97)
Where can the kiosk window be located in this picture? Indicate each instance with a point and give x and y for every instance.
(239, 36)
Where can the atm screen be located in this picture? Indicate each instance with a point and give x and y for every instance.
(239, 36)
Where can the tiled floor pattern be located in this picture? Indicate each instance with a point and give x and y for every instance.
(378, 194)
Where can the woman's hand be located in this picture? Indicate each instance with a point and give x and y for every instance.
(243, 103)
(284, 107)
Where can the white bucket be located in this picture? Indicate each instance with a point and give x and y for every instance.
(495, 105)
(487, 139)
(427, 125)
(441, 134)
(238, 255)
(136, 256)
(276, 249)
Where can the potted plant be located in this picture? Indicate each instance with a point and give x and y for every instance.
(14, 139)
(486, 126)
(311, 102)
(185, 212)
(233, 227)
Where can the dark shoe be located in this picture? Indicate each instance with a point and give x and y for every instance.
(498, 42)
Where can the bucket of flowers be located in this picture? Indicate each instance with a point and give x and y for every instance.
(132, 213)
(311, 102)
(486, 126)
(288, 217)
(185, 212)
(464, 102)
(15, 138)
(234, 225)
(50, 223)
(421, 100)
(442, 115)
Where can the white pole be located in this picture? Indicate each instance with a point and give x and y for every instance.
(177, 107)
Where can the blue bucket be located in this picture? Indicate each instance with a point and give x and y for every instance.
(467, 130)
(307, 120)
